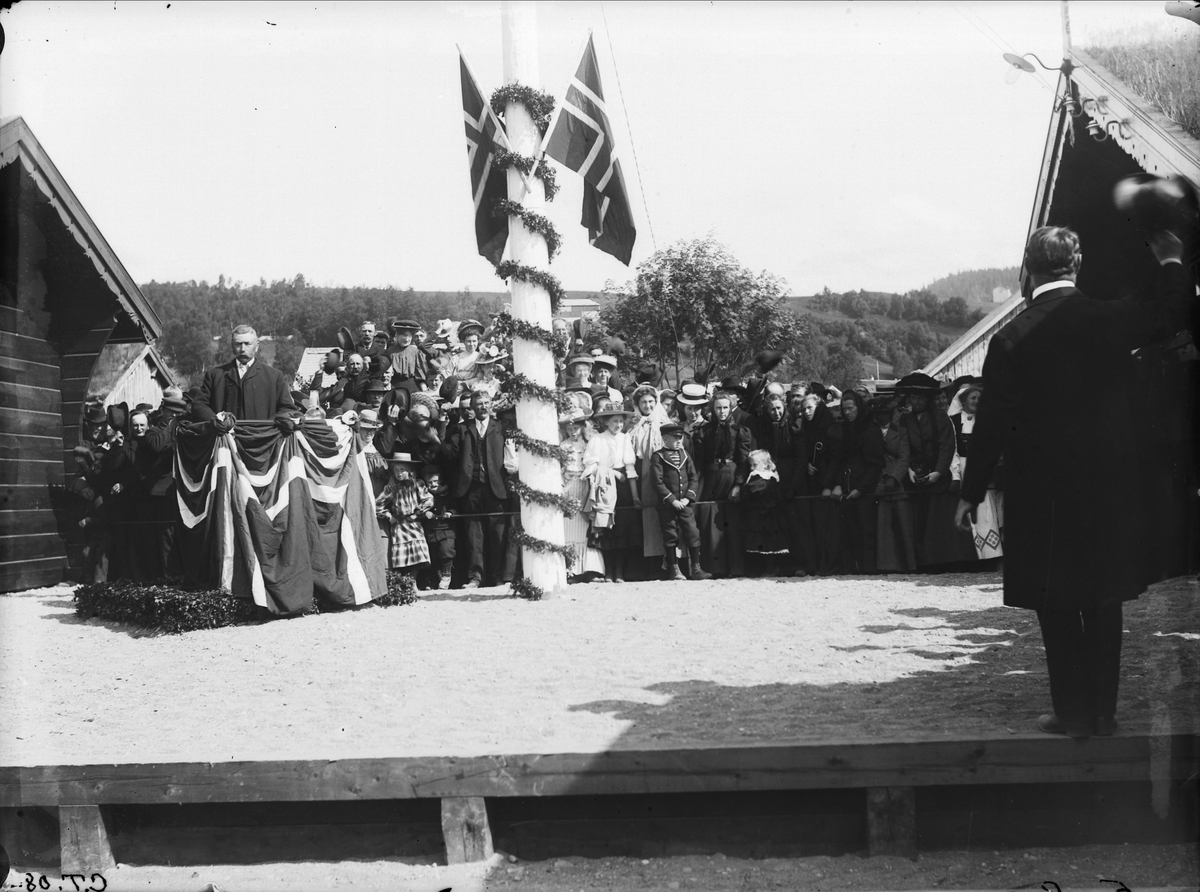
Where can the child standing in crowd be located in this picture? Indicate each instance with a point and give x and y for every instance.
(762, 510)
(675, 483)
(648, 419)
(402, 503)
(588, 559)
(609, 465)
(439, 532)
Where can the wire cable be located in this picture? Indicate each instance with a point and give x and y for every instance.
(629, 127)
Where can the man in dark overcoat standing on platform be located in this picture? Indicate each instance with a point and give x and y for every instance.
(1057, 402)
(478, 451)
(244, 388)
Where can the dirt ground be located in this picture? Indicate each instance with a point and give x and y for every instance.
(643, 665)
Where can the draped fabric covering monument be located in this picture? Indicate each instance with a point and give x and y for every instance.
(280, 518)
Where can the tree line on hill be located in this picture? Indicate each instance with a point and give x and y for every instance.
(692, 307)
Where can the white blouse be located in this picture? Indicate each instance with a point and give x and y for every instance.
(609, 452)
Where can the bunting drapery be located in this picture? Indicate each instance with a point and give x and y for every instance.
(280, 518)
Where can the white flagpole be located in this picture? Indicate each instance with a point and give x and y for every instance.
(531, 303)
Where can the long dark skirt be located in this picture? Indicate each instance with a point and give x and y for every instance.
(721, 545)
(895, 546)
(626, 531)
(858, 534)
(938, 540)
(819, 532)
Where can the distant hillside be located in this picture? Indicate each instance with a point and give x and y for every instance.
(975, 285)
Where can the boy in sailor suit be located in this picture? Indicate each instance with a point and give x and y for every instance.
(675, 480)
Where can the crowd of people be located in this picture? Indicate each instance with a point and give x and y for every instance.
(743, 477)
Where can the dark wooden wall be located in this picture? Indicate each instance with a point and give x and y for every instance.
(56, 313)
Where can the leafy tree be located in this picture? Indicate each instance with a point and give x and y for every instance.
(695, 295)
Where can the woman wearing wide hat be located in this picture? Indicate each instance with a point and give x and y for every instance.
(604, 370)
(691, 400)
(588, 559)
(931, 451)
(610, 467)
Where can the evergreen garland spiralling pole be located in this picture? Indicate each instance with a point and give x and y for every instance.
(544, 567)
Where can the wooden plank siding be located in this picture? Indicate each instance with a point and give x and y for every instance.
(16, 370)
(825, 765)
(36, 521)
(22, 497)
(16, 576)
(38, 472)
(17, 395)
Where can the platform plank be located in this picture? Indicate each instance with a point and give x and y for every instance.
(1041, 759)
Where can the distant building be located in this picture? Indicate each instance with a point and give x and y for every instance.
(575, 307)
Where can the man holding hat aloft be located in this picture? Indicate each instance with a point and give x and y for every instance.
(1056, 403)
(675, 482)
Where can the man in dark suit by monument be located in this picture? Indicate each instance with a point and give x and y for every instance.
(481, 459)
(244, 389)
(1057, 402)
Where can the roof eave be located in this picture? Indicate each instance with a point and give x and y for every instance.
(17, 139)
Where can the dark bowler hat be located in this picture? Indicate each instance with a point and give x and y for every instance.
(884, 404)
(377, 385)
(378, 364)
(449, 389)
(733, 385)
(1157, 203)
(918, 382)
(767, 360)
(94, 414)
(818, 389)
(345, 340)
(671, 428)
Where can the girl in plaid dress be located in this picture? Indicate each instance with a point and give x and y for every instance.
(402, 503)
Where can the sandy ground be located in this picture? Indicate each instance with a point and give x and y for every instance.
(604, 667)
(634, 666)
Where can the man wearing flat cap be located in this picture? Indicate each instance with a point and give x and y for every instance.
(1057, 402)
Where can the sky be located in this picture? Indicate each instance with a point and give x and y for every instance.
(844, 144)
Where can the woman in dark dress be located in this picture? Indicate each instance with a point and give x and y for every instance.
(817, 521)
(931, 450)
(721, 449)
(860, 460)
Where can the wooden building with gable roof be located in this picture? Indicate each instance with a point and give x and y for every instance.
(64, 295)
(1100, 132)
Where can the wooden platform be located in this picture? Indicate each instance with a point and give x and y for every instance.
(888, 770)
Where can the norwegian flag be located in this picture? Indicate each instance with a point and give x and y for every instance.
(489, 184)
(581, 138)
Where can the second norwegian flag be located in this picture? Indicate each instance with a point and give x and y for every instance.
(581, 138)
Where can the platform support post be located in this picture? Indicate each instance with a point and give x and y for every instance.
(892, 821)
(83, 839)
(465, 827)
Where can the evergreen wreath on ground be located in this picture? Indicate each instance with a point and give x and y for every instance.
(523, 588)
(166, 608)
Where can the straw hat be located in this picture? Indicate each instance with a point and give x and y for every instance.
(692, 394)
